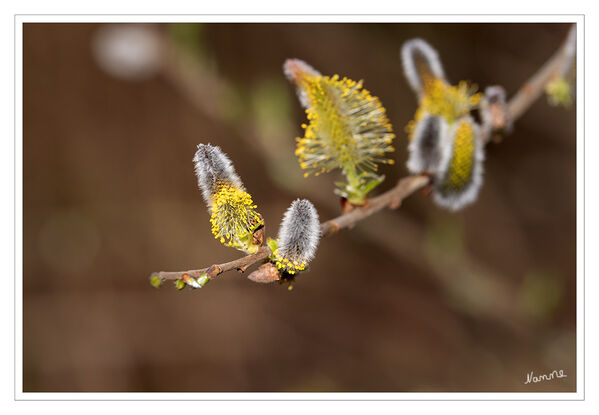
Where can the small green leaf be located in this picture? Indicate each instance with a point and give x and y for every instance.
(198, 282)
(203, 280)
(192, 283)
(358, 186)
(272, 244)
(179, 284)
(372, 182)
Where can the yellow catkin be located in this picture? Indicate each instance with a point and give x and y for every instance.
(348, 127)
(460, 167)
(234, 218)
(447, 101)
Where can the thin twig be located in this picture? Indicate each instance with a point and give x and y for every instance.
(532, 89)
(557, 65)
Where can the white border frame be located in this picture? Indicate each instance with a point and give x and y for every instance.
(302, 18)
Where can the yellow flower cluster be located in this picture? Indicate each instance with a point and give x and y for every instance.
(234, 218)
(348, 127)
(287, 265)
(447, 101)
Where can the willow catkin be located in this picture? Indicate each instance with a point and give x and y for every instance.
(233, 213)
(298, 237)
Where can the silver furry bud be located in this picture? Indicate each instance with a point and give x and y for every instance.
(298, 237)
(493, 110)
(295, 70)
(213, 168)
(420, 61)
(424, 149)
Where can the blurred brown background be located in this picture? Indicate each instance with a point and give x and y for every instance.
(417, 299)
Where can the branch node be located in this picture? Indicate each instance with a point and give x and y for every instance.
(427, 190)
(346, 207)
(258, 236)
(213, 271)
(334, 227)
(395, 203)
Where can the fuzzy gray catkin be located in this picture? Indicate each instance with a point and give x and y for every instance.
(425, 147)
(213, 168)
(421, 63)
(298, 237)
(294, 69)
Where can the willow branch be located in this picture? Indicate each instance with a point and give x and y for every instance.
(391, 198)
(558, 65)
(531, 90)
